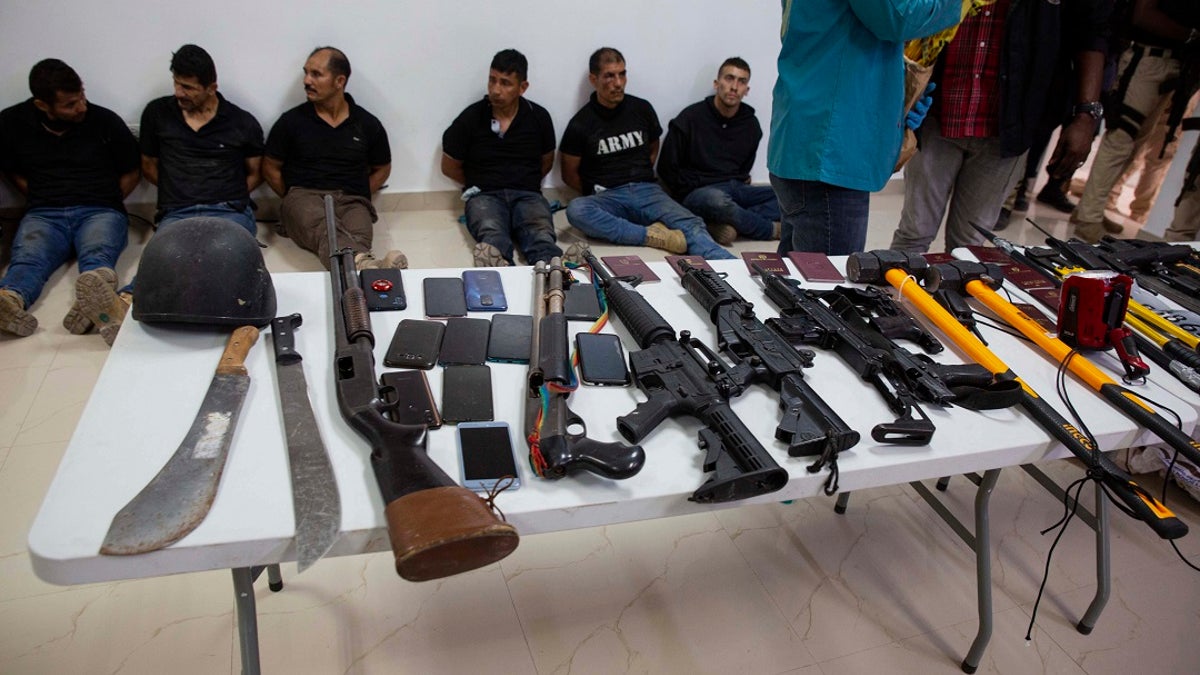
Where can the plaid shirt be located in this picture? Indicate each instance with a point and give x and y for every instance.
(969, 94)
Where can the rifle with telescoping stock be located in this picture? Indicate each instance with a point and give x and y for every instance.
(809, 426)
(553, 450)
(681, 376)
(436, 527)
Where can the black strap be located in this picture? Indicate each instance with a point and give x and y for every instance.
(997, 395)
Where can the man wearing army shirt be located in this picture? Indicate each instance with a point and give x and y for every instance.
(329, 145)
(607, 153)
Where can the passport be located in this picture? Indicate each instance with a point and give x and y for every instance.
(630, 266)
(771, 262)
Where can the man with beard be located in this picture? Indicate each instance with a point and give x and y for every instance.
(203, 152)
(500, 149)
(329, 145)
(707, 156)
(75, 163)
(608, 153)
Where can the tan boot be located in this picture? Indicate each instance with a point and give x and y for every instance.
(97, 299)
(13, 317)
(75, 322)
(724, 235)
(392, 260)
(662, 237)
(486, 255)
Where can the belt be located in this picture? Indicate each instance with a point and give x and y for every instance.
(1146, 50)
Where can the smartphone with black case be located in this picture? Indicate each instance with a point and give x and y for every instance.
(466, 394)
(484, 291)
(581, 303)
(444, 297)
(384, 289)
(485, 452)
(412, 397)
(510, 339)
(415, 344)
(466, 342)
(601, 359)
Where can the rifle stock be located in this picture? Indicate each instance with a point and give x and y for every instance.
(436, 527)
(680, 376)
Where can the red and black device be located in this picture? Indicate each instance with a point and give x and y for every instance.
(1091, 315)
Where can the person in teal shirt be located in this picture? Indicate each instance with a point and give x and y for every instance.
(838, 112)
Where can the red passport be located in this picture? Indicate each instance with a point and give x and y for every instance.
(630, 266)
(815, 267)
(771, 262)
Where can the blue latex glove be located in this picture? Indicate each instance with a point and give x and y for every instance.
(916, 116)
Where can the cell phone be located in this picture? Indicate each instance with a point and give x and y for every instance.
(466, 342)
(415, 344)
(485, 452)
(510, 338)
(581, 303)
(484, 291)
(384, 289)
(444, 297)
(412, 398)
(466, 394)
(601, 359)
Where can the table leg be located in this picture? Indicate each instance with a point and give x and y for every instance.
(843, 499)
(1103, 563)
(247, 617)
(983, 570)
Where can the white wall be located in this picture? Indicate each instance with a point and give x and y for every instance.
(415, 64)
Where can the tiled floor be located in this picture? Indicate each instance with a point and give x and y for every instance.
(783, 588)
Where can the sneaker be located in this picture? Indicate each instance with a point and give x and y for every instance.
(486, 255)
(97, 298)
(662, 237)
(1003, 220)
(13, 317)
(574, 253)
(724, 235)
(1055, 198)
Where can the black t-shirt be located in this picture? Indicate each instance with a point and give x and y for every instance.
(703, 147)
(613, 144)
(82, 167)
(492, 162)
(207, 166)
(320, 157)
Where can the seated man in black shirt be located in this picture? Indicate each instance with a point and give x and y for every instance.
(329, 145)
(75, 163)
(707, 156)
(203, 152)
(607, 153)
(500, 149)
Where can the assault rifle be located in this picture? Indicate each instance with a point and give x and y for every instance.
(553, 451)
(831, 320)
(681, 376)
(809, 426)
(436, 527)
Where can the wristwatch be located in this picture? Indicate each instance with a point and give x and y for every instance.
(1192, 37)
(1093, 108)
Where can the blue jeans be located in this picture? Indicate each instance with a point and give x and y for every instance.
(821, 218)
(226, 210)
(751, 209)
(47, 237)
(497, 217)
(620, 215)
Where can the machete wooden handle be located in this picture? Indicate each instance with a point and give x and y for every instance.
(233, 359)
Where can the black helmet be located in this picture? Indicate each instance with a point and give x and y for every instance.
(203, 271)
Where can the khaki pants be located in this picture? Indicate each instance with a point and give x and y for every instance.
(1146, 105)
(302, 218)
(1153, 168)
(1187, 214)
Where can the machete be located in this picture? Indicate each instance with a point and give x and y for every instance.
(315, 496)
(176, 500)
